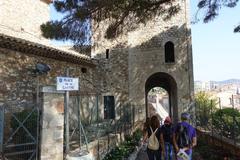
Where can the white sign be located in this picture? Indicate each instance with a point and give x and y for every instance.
(67, 84)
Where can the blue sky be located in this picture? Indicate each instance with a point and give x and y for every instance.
(215, 46)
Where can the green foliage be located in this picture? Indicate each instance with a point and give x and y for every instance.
(157, 90)
(137, 135)
(120, 152)
(226, 120)
(124, 15)
(205, 107)
(126, 148)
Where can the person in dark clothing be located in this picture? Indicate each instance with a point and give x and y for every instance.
(154, 127)
(184, 136)
(167, 134)
(146, 125)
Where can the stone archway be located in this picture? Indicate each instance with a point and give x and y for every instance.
(167, 82)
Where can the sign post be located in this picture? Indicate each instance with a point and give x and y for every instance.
(1, 127)
(67, 84)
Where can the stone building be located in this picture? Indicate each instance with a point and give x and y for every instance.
(24, 88)
(115, 77)
(156, 54)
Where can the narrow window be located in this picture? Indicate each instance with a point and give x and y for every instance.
(109, 107)
(84, 70)
(169, 52)
(107, 53)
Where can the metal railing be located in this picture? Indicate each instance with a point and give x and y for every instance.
(219, 121)
(19, 132)
(87, 126)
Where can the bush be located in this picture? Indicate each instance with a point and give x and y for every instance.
(205, 107)
(137, 135)
(126, 148)
(225, 121)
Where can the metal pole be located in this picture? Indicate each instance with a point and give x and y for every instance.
(2, 111)
(37, 96)
(221, 129)
(98, 155)
(212, 117)
(66, 115)
(234, 138)
(97, 108)
(79, 119)
(204, 114)
(38, 113)
(133, 115)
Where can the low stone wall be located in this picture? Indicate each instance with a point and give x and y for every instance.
(101, 146)
(218, 141)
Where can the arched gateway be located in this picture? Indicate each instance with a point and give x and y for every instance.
(167, 82)
(155, 54)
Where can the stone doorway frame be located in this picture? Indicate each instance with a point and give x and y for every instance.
(167, 82)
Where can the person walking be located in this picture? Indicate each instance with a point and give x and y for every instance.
(155, 142)
(145, 129)
(146, 125)
(184, 138)
(167, 136)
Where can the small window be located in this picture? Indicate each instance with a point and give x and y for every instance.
(109, 107)
(169, 52)
(84, 70)
(107, 53)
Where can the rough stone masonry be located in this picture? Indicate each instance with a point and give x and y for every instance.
(136, 61)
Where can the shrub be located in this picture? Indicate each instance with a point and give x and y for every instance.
(126, 148)
(225, 121)
(205, 107)
(137, 135)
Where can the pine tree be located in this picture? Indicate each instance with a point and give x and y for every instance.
(211, 9)
(78, 15)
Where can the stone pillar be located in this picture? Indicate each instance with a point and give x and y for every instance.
(52, 124)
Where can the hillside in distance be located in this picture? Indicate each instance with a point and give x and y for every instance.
(228, 81)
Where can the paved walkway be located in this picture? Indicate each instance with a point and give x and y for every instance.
(142, 155)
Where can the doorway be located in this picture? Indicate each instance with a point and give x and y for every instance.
(166, 85)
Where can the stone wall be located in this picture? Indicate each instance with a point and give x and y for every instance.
(18, 81)
(144, 62)
(114, 77)
(18, 85)
(22, 19)
(142, 51)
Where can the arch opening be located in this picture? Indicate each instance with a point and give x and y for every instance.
(167, 87)
(158, 103)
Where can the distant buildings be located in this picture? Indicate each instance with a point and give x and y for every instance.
(227, 92)
(205, 86)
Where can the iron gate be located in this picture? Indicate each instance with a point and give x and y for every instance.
(19, 126)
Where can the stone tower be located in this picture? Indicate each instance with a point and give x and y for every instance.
(157, 54)
(22, 19)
